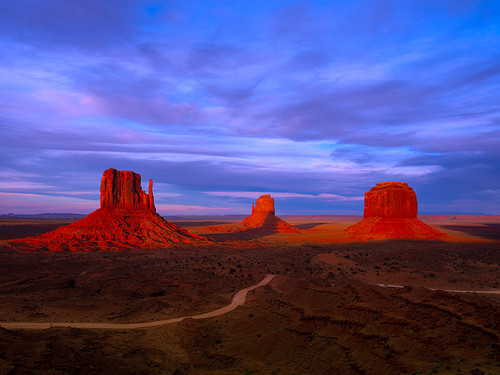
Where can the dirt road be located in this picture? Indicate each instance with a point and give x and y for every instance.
(238, 299)
(444, 290)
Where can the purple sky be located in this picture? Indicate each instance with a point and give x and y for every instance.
(219, 102)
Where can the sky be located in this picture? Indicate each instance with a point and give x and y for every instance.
(313, 102)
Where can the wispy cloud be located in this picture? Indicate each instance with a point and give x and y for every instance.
(172, 209)
(19, 195)
(23, 185)
(281, 195)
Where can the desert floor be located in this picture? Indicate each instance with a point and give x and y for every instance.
(321, 314)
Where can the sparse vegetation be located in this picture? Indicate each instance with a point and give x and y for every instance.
(324, 310)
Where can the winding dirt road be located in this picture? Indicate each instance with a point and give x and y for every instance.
(444, 290)
(238, 299)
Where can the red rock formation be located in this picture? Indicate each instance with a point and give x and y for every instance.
(127, 219)
(391, 212)
(123, 189)
(263, 205)
(262, 220)
(391, 199)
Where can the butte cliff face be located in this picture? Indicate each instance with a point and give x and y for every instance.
(264, 205)
(391, 211)
(262, 220)
(123, 189)
(391, 199)
(127, 219)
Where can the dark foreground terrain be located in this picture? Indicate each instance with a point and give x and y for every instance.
(322, 314)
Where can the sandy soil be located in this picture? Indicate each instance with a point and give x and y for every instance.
(319, 315)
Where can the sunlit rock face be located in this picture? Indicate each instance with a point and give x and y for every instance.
(263, 217)
(391, 211)
(391, 199)
(122, 189)
(263, 205)
(127, 219)
(262, 220)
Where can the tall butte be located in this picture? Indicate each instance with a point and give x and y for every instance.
(262, 220)
(127, 219)
(391, 210)
(123, 189)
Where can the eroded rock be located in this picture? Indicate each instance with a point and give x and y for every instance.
(122, 189)
(391, 211)
(262, 220)
(127, 219)
(391, 199)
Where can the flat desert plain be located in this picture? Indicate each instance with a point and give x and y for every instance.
(333, 307)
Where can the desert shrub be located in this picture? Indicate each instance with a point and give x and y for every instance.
(159, 293)
(71, 284)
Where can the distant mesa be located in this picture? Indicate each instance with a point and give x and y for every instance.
(391, 211)
(262, 220)
(127, 219)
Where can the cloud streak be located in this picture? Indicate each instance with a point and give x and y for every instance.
(281, 195)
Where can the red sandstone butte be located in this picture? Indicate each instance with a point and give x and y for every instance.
(262, 220)
(123, 189)
(127, 219)
(391, 212)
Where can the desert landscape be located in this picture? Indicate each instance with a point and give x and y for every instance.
(316, 300)
(321, 314)
(281, 187)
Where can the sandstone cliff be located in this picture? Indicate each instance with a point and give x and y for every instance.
(391, 212)
(123, 189)
(391, 199)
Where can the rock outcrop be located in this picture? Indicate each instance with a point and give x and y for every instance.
(262, 220)
(264, 205)
(391, 211)
(127, 219)
(391, 199)
(122, 189)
